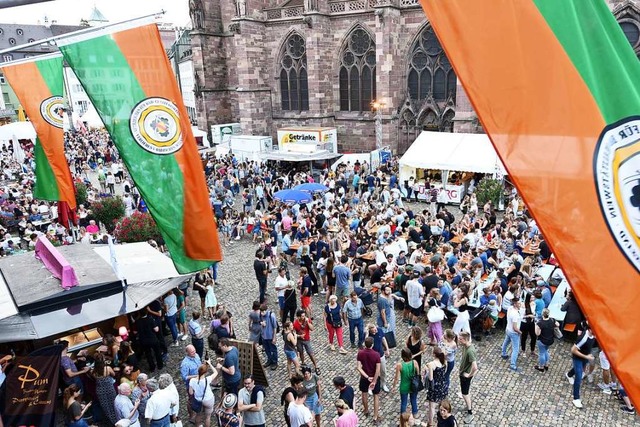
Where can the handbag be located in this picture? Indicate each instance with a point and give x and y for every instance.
(435, 314)
(196, 405)
(390, 336)
(416, 381)
(557, 333)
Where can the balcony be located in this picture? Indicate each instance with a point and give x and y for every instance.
(287, 12)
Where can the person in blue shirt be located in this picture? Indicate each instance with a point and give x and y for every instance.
(371, 182)
(453, 259)
(302, 233)
(393, 181)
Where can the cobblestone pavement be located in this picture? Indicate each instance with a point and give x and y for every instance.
(501, 398)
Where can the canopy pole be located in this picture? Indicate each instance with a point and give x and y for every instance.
(51, 40)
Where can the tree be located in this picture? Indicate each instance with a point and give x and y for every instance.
(81, 193)
(108, 211)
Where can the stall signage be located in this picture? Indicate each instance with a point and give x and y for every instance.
(32, 384)
(454, 193)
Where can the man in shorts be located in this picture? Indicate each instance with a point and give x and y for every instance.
(303, 327)
(415, 295)
(468, 369)
(369, 369)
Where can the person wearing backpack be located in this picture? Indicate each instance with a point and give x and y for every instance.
(270, 330)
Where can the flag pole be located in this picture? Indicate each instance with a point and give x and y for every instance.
(52, 40)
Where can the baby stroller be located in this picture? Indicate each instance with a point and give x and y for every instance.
(367, 299)
(477, 320)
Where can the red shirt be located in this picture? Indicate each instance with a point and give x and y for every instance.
(369, 358)
(302, 330)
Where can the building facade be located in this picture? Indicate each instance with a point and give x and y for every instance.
(373, 69)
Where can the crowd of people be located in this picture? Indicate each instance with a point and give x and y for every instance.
(357, 257)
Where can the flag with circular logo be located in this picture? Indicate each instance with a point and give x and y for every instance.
(126, 74)
(38, 83)
(556, 86)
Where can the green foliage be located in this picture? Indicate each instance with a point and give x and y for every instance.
(81, 193)
(489, 189)
(139, 227)
(108, 211)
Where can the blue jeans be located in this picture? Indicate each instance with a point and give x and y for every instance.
(514, 339)
(162, 422)
(543, 354)
(271, 350)
(579, 365)
(353, 324)
(171, 323)
(447, 373)
(414, 402)
(214, 271)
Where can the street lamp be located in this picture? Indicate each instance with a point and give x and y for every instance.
(377, 107)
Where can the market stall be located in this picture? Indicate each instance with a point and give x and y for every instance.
(448, 161)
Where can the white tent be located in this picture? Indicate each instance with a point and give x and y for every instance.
(465, 152)
(17, 130)
(92, 118)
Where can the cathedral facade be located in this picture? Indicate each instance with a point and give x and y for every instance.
(373, 69)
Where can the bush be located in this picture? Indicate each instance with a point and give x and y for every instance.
(108, 211)
(81, 193)
(139, 227)
(489, 189)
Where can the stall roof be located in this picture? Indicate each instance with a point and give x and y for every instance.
(148, 273)
(466, 152)
(299, 157)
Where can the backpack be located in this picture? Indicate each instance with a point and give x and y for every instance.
(271, 319)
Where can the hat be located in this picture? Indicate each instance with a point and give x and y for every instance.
(229, 401)
(408, 267)
(416, 273)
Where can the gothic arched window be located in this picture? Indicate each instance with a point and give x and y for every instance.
(430, 72)
(294, 84)
(358, 72)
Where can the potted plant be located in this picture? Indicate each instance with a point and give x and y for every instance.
(489, 189)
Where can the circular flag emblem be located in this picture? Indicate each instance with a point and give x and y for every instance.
(617, 175)
(52, 110)
(155, 125)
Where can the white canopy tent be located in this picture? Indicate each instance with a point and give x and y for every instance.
(91, 118)
(17, 130)
(464, 152)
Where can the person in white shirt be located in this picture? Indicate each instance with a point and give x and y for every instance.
(280, 286)
(513, 334)
(159, 405)
(415, 295)
(298, 413)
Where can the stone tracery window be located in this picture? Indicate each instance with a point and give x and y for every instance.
(358, 72)
(294, 84)
(430, 72)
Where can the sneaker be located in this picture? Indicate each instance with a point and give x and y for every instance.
(504, 357)
(237, 237)
(590, 378)
(175, 344)
(385, 388)
(570, 379)
(603, 386)
(332, 347)
(516, 370)
(577, 403)
(606, 391)
(184, 337)
(274, 367)
(323, 292)
(627, 410)
(370, 392)
(468, 418)
(353, 345)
